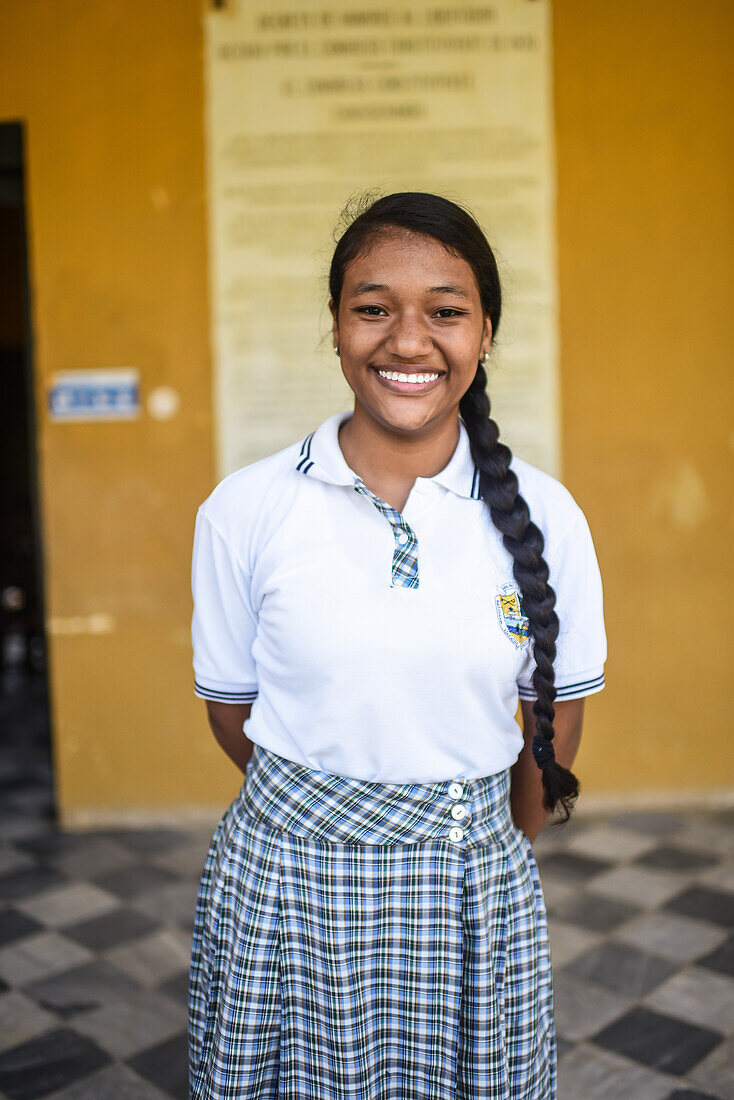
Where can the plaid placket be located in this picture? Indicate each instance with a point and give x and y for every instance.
(405, 554)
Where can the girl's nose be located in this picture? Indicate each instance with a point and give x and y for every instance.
(409, 339)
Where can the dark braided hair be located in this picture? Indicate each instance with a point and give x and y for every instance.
(445, 221)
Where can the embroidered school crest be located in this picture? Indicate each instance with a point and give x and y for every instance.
(509, 612)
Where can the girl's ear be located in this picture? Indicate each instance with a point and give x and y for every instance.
(487, 336)
(335, 324)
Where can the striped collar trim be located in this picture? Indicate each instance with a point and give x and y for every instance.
(304, 462)
(320, 456)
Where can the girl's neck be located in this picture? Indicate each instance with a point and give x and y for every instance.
(389, 461)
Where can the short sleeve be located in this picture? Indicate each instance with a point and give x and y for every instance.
(581, 647)
(224, 625)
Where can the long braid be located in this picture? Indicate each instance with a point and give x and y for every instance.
(498, 487)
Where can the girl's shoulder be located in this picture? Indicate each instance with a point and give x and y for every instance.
(552, 506)
(253, 492)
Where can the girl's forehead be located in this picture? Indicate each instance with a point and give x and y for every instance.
(409, 257)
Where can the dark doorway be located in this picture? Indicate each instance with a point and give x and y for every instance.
(26, 786)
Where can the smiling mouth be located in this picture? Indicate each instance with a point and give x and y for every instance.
(406, 381)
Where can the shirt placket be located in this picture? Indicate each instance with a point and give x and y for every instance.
(404, 573)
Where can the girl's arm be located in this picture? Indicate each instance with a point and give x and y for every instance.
(526, 791)
(226, 721)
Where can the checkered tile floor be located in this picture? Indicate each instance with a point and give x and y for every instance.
(95, 932)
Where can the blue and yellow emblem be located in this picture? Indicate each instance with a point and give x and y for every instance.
(509, 612)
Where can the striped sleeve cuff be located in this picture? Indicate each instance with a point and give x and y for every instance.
(577, 689)
(226, 693)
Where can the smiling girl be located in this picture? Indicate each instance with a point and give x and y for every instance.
(370, 604)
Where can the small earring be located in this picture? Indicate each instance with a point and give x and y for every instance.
(485, 357)
(336, 349)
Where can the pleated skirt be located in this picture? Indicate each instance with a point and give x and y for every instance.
(358, 940)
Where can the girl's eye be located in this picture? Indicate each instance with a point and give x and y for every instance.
(371, 311)
(448, 311)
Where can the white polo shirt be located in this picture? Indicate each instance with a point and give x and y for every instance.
(362, 663)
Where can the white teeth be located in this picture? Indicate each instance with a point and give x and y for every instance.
(415, 379)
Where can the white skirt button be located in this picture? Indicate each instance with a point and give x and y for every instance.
(455, 833)
(458, 811)
(455, 790)
(401, 536)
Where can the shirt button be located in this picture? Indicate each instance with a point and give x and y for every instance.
(456, 790)
(458, 811)
(455, 833)
(401, 536)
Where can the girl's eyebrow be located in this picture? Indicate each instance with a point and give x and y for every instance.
(381, 288)
(456, 290)
(370, 288)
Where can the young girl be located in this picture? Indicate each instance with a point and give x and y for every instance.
(369, 604)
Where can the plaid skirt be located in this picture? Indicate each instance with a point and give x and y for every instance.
(359, 940)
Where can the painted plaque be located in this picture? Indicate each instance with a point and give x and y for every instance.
(312, 104)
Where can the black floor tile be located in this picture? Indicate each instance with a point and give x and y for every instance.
(81, 989)
(598, 914)
(165, 1066)
(111, 929)
(705, 903)
(689, 1094)
(14, 925)
(53, 843)
(177, 988)
(571, 866)
(661, 1042)
(668, 858)
(50, 1062)
(130, 882)
(721, 959)
(30, 880)
(622, 968)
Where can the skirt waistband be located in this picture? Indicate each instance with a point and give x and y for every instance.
(287, 796)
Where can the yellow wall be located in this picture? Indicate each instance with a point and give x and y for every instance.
(113, 104)
(643, 101)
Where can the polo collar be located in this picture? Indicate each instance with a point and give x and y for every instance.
(320, 456)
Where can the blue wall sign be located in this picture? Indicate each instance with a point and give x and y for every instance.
(109, 394)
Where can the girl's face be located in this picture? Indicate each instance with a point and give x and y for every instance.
(410, 330)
